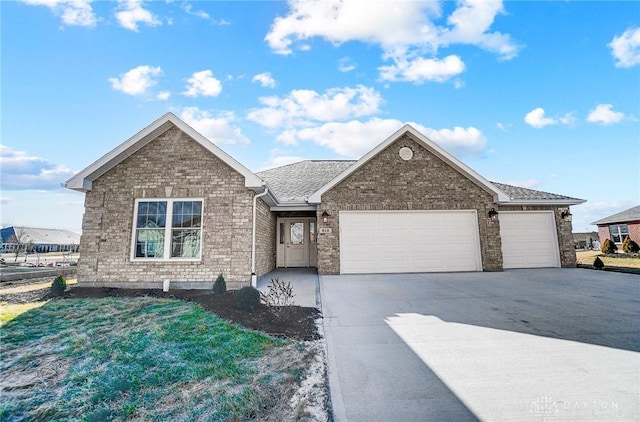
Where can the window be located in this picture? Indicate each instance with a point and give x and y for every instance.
(167, 229)
(619, 232)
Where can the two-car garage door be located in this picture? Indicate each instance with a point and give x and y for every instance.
(409, 241)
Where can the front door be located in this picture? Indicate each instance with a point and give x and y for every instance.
(297, 248)
(297, 242)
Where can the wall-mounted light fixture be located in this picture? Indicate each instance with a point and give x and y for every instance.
(566, 215)
(325, 217)
(493, 214)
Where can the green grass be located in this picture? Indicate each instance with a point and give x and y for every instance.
(142, 359)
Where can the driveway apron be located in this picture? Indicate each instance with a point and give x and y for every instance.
(519, 345)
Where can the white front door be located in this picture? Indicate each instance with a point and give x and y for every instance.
(297, 242)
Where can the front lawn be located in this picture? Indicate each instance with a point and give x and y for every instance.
(587, 258)
(143, 359)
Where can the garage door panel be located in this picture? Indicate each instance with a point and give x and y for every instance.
(529, 240)
(413, 241)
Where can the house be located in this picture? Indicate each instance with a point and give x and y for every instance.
(33, 239)
(618, 226)
(170, 205)
(584, 240)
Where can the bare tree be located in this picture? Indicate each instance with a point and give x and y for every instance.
(20, 241)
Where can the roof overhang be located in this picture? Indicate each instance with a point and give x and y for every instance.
(498, 195)
(557, 202)
(83, 181)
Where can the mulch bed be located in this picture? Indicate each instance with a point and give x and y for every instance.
(294, 322)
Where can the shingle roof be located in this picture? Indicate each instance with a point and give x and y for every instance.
(632, 214)
(517, 193)
(294, 182)
(47, 236)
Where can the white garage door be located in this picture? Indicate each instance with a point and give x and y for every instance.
(409, 241)
(529, 239)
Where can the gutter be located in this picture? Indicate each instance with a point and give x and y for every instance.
(254, 278)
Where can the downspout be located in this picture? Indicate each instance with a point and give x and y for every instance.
(254, 277)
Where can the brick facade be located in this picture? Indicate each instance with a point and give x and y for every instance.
(426, 182)
(387, 182)
(171, 166)
(634, 231)
(265, 239)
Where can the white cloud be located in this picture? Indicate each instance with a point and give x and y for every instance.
(470, 23)
(626, 48)
(131, 13)
(163, 95)
(265, 79)
(537, 118)
(199, 13)
(404, 30)
(345, 64)
(72, 12)
(203, 83)
(420, 69)
(136, 81)
(218, 129)
(355, 138)
(300, 107)
(604, 114)
(22, 171)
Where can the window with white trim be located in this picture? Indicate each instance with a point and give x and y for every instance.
(167, 229)
(619, 232)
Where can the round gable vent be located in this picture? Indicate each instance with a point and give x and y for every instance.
(406, 153)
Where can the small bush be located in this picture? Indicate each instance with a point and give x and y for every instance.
(247, 298)
(219, 286)
(597, 263)
(279, 293)
(59, 285)
(608, 246)
(630, 246)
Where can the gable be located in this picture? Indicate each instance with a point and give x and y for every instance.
(419, 144)
(83, 180)
(425, 180)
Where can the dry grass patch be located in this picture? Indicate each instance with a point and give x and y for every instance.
(587, 258)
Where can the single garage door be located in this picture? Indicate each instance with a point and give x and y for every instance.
(529, 239)
(409, 241)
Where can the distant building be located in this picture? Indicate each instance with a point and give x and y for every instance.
(618, 226)
(585, 240)
(16, 238)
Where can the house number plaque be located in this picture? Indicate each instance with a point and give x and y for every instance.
(324, 230)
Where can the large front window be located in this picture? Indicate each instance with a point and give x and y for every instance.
(619, 232)
(168, 229)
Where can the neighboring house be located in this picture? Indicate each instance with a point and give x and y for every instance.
(618, 226)
(584, 240)
(34, 239)
(170, 205)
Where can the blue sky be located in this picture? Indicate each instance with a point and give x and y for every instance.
(543, 95)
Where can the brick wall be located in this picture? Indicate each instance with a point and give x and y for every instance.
(603, 233)
(265, 239)
(387, 182)
(171, 166)
(634, 231)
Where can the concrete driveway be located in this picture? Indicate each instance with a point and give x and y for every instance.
(520, 345)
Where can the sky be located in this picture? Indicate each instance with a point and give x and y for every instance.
(544, 95)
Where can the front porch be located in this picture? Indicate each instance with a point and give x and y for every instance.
(304, 281)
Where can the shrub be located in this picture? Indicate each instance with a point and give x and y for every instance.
(630, 246)
(597, 263)
(219, 286)
(59, 285)
(278, 294)
(247, 298)
(608, 246)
